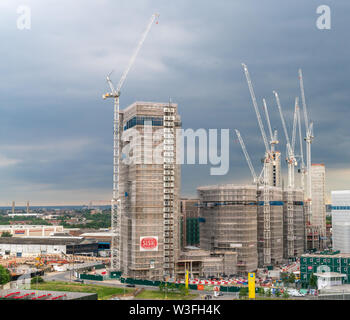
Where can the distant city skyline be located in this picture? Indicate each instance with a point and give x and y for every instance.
(56, 131)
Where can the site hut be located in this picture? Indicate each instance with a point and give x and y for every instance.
(149, 190)
(325, 261)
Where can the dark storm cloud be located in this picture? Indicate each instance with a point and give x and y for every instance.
(55, 130)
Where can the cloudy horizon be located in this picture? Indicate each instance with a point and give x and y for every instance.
(56, 131)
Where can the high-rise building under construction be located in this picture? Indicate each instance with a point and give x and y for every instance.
(149, 188)
(228, 216)
(318, 216)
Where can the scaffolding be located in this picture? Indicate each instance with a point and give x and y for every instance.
(142, 179)
(276, 225)
(293, 223)
(228, 215)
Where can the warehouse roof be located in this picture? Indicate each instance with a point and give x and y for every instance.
(44, 240)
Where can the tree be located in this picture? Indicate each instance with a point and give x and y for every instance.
(269, 292)
(243, 292)
(6, 234)
(261, 291)
(37, 279)
(172, 287)
(278, 293)
(161, 286)
(291, 278)
(183, 290)
(285, 294)
(313, 281)
(5, 276)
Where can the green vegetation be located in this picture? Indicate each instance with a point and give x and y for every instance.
(103, 292)
(261, 291)
(95, 221)
(285, 294)
(313, 281)
(6, 234)
(243, 292)
(5, 220)
(269, 293)
(37, 279)
(158, 295)
(4, 275)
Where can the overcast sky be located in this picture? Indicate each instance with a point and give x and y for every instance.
(56, 131)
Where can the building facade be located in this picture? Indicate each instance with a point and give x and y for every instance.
(318, 195)
(189, 227)
(149, 189)
(228, 222)
(341, 220)
(293, 223)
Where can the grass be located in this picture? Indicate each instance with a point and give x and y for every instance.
(103, 292)
(157, 295)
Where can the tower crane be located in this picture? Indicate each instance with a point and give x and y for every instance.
(302, 164)
(273, 135)
(116, 203)
(290, 154)
(309, 138)
(267, 166)
(247, 157)
(291, 164)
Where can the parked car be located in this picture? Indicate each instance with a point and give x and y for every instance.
(130, 285)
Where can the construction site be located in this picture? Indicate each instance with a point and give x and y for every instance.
(242, 227)
(268, 223)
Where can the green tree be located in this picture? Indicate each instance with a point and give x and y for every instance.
(291, 278)
(261, 291)
(313, 281)
(285, 294)
(278, 293)
(4, 275)
(243, 292)
(183, 290)
(37, 279)
(172, 287)
(161, 286)
(269, 292)
(6, 234)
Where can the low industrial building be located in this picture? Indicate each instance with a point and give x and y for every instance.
(30, 230)
(204, 264)
(34, 246)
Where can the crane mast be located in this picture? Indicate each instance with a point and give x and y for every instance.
(267, 164)
(309, 138)
(302, 164)
(116, 203)
(290, 155)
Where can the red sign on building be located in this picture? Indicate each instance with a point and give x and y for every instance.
(148, 243)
